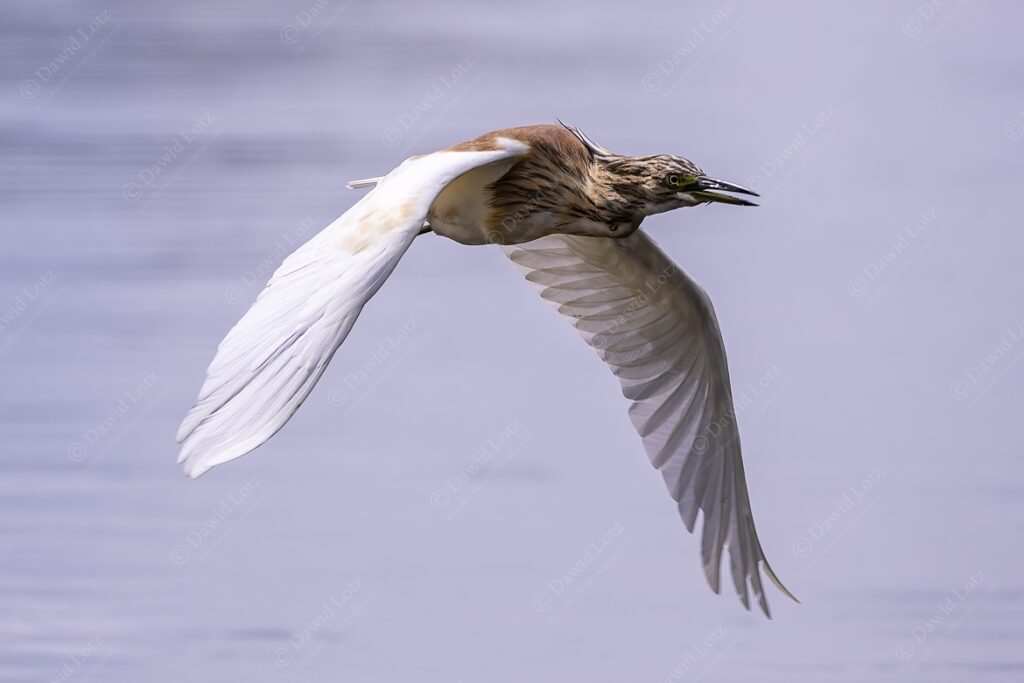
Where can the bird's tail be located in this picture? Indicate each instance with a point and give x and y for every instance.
(360, 184)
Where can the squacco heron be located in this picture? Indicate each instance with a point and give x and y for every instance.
(567, 212)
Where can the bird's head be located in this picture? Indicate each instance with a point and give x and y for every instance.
(663, 182)
(653, 184)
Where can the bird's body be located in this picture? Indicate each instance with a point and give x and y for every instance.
(566, 211)
(583, 193)
(504, 204)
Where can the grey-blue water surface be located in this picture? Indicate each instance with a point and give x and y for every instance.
(463, 497)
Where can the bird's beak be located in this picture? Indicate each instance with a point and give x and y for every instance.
(703, 190)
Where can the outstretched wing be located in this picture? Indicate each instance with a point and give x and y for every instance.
(657, 331)
(271, 359)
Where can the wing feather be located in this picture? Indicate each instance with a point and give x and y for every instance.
(272, 358)
(657, 331)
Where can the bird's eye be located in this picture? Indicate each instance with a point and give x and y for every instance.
(672, 180)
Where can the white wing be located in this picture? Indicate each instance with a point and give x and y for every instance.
(271, 359)
(657, 331)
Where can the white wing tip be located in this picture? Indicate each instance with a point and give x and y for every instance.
(778, 583)
(197, 464)
(198, 458)
(195, 472)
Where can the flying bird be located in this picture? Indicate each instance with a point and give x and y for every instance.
(567, 212)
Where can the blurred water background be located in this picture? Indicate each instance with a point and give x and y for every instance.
(463, 497)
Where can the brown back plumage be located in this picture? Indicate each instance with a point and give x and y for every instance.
(573, 182)
(556, 177)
